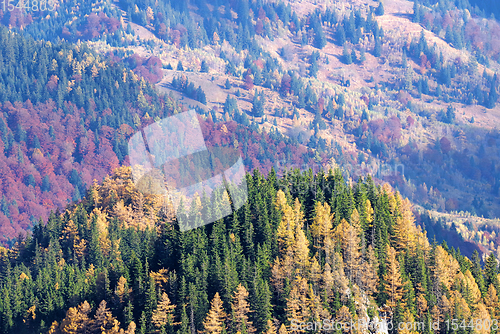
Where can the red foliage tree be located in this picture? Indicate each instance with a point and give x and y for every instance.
(286, 84)
(248, 80)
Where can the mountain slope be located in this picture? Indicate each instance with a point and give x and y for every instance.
(289, 256)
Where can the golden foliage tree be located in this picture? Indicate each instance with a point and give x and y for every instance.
(296, 303)
(392, 279)
(215, 321)
(481, 312)
(491, 301)
(271, 329)
(321, 228)
(352, 253)
(446, 267)
(369, 276)
(459, 307)
(163, 315)
(241, 310)
(467, 286)
(293, 245)
(122, 289)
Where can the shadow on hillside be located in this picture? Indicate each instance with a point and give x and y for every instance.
(403, 15)
(437, 230)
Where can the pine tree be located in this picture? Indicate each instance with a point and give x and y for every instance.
(491, 271)
(216, 317)
(346, 55)
(204, 67)
(380, 9)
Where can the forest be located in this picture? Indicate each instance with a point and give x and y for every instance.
(65, 120)
(83, 251)
(304, 247)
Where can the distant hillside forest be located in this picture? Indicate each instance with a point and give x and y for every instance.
(304, 247)
(66, 114)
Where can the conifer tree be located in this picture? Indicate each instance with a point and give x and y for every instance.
(321, 227)
(392, 279)
(103, 319)
(240, 311)
(216, 317)
(271, 329)
(491, 301)
(369, 268)
(282, 329)
(346, 55)
(491, 271)
(163, 315)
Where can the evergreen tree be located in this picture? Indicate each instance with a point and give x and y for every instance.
(379, 11)
(346, 56)
(204, 66)
(179, 66)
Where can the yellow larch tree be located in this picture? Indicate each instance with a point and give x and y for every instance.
(292, 241)
(102, 228)
(341, 283)
(321, 228)
(316, 310)
(103, 319)
(410, 325)
(271, 329)
(327, 282)
(392, 279)
(444, 308)
(160, 277)
(122, 289)
(369, 268)
(241, 311)
(215, 321)
(369, 212)
(404, 228)
(352, 253)
(459, 307)
(481, 312)
(446, 267)
(354, 221)
(467, 286)
(163, 315)
(491, 301)
(297, 303)
(286, 228)
(343, 315)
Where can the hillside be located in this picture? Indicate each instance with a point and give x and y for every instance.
(369, 133)
(404, 91)
(116, 262)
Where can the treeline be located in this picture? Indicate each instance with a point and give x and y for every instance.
(304, 247)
